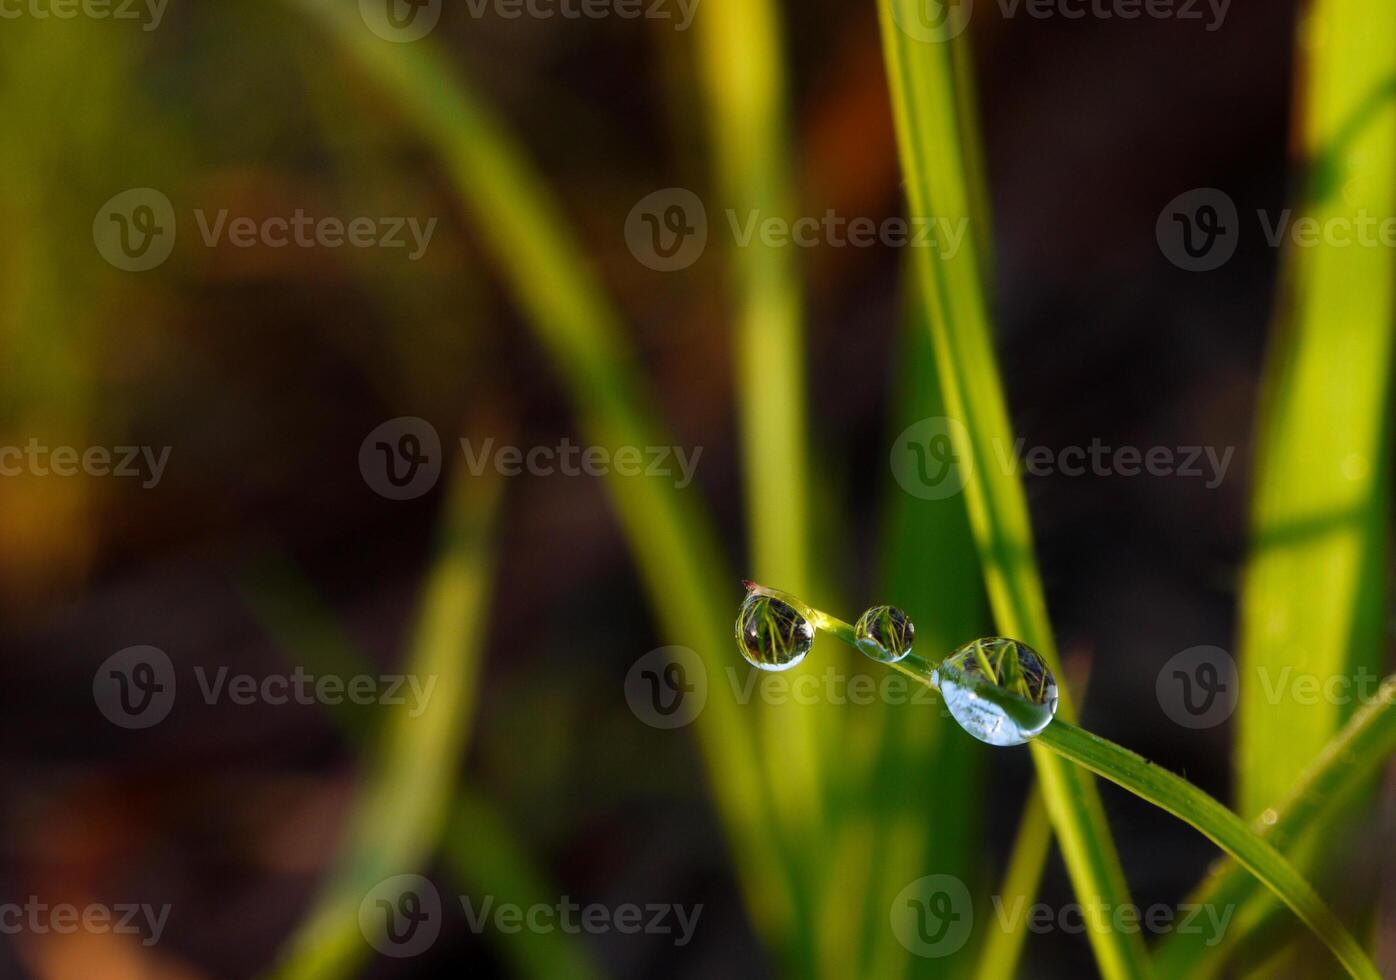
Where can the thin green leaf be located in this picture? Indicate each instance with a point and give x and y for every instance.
(550, 277)
(477, 847)
(1315, 586)
(402, 805)
(921, 75)
(742, 69)
(1224, 828)
(1341, 773)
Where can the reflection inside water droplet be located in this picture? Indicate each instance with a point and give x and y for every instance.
(771, 634)
(999, 690)
(885, 634)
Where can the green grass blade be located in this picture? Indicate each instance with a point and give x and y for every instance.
(477, 847)
(931, 823)
(1315, 583)
(924, 102)
(1339, 775)
(742, 70)
(549, 276)
(402, 805)
(1003, 947)
(1224, 828)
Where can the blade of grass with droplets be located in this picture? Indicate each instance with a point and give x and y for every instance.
(402, 803)
(1022, 877)
(742, 72)
(928, 824)
(1316, 579)
(921, 77)
(1224, 828)
(1340, 774)
(477, 847)
(547, 273)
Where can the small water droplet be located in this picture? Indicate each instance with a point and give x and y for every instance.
(999, 690)
(1269, 817)
(771, 634)
(885, 634)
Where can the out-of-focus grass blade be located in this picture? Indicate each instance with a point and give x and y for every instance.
(402, 805)
(1224, 828)
(921, 76)
(1339, 775)
(549, 276)
(929, 823)
(1315, 582)
(742, 68)
(477, 846)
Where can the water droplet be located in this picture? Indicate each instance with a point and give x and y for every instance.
(771, 634)
(885, 633)
(999, 690)
(1269, 817)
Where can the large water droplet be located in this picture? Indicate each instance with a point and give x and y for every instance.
(885, 633)
(771, 634)
(999, 690)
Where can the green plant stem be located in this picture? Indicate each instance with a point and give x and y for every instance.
(1175, 795)
(1224, 828)
(929, 125)
(403, 804)
(525, 233)
(1340, 774)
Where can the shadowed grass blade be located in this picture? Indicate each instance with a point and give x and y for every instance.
(1315, 583)
(1228, 831)
(402, 805)
(1327, 789)
(550, 277)
(742, 69)
(921, 75)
